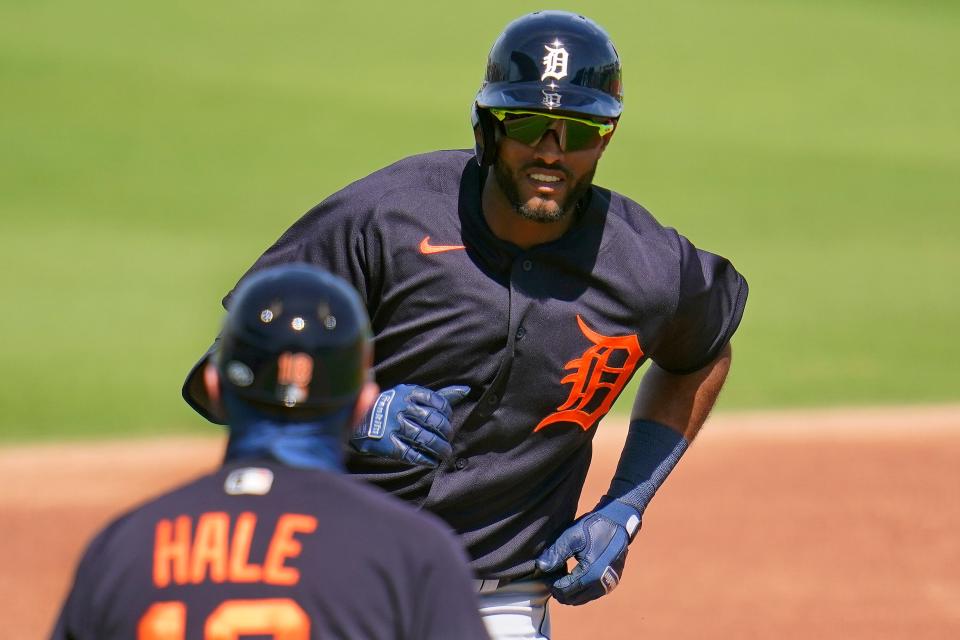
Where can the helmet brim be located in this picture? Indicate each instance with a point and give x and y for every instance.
(536, 96)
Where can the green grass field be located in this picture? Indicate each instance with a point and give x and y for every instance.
(149, 154)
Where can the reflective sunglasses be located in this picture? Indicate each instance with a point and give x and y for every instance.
(529, 126)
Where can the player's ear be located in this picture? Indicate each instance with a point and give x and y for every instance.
(368, 395)
(211, 381)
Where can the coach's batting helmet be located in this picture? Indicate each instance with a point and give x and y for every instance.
(548, 61)
(296, 337)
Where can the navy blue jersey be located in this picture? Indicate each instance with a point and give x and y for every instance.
(547, 338)
(264, 550)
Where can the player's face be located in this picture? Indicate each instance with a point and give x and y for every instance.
(542, 182)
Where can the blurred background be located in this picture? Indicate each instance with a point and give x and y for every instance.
(151, 152)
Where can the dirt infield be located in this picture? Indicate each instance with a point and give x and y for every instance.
(823, 524)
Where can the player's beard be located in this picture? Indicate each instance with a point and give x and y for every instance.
(542, 213)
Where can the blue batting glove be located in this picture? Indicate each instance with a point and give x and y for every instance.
(598, 540)
(411, 424)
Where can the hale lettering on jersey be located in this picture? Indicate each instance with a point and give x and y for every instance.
(183, 554)
(598, 377)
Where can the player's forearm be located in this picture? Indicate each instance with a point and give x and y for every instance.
(681, 402)
(668, 412)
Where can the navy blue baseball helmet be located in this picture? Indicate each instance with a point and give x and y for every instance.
(296, 340)
(551, 61)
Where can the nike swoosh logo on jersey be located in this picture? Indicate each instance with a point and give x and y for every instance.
(426, 248)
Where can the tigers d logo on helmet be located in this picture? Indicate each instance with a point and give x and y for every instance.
(555, 62)
(553, 52)
(548, 60)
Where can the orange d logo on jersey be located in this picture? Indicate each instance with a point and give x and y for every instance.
(596, 380)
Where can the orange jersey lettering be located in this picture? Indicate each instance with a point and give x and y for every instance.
(171, 551)
(596, 382)
(240, 569)
(283, 546)
(210, 548)
(184, 555)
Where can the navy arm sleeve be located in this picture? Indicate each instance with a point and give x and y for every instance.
(712, 297)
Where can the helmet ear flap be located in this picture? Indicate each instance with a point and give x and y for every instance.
(484, 130)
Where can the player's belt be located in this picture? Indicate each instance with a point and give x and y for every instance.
(487, 585)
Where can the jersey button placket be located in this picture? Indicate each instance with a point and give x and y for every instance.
(460, 464)
(526, 265)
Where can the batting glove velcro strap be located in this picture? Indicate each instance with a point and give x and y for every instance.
(598, 540)
(409, 423)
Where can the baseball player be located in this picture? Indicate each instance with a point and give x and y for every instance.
(503, 273)
(279, 543)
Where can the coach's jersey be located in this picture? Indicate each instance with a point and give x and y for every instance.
(546, 338)
(263, 550)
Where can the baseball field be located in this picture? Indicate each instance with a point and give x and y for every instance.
(150, 153)
(830, 524)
